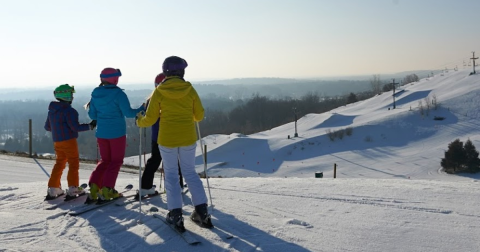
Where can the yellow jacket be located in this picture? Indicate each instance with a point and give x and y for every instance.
(177, 104)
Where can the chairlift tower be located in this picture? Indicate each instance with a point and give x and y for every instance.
(295, 112)
(393, 95)
(473, 59)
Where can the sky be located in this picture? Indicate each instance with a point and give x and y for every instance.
(54, 42)
(389, 193)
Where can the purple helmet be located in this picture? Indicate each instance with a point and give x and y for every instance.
(174, 64)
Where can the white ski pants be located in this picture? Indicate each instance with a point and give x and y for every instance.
(186, 156)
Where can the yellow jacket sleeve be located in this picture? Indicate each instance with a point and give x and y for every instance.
(198, 111)
(153, 112)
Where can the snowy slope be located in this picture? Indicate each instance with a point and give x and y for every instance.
(389, 195)
(403, 144)
(264, 214)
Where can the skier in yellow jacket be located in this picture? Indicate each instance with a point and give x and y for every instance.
(176, 102)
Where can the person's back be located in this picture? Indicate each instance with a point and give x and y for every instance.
(109, 105)
(180, 108)
(179, 101)
(62, 121)
(155, 158)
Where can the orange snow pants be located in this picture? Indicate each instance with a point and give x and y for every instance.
(66, 151)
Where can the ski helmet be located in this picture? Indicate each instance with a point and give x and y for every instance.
(64, 92)
(159, 79)
(174, 66)
(110, 75)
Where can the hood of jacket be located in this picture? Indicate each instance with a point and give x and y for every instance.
(105, 94)
(57, 105)
(174, 87)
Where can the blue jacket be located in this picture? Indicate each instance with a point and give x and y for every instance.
(109, 105)
(62, 121)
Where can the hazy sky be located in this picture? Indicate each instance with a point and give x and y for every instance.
(46, 43)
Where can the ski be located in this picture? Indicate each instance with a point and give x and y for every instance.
(130, 201)
(89, 207)
(70, 198)
(187, 236)
(66, 199)
(48, 197)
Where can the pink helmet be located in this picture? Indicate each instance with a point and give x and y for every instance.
(110, 75)
(159, 79)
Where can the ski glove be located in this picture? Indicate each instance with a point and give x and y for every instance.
(139, 115)
(93, 124)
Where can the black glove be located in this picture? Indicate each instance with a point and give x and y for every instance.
(93, 124)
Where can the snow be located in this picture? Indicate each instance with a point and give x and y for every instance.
(389, 195)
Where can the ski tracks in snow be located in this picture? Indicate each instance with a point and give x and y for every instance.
(39, 233)
(404, 203)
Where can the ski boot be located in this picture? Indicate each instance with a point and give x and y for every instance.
(93, 195)
(145, 192)
(53, 193)
(73, 192)
(175, 218)
(201, 217)
(108, 193)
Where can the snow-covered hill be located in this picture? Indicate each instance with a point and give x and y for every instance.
(389, 194)
(385, 142)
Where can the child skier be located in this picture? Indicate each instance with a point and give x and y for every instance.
(155, 159)
(109, 105)
(62, 121)
(180, 108)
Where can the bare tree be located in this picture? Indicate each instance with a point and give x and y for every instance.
(434, 102)
(376, 84)
(421, 108)
(410, 78)
(427, 105)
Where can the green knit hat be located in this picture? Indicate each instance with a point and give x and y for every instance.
(64, 92)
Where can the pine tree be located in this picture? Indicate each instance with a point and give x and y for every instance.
(472, 161)
(455, 157)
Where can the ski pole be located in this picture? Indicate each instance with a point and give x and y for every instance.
(161, 174)
(144, 147)
(204, 163)
(140, 173)
(97, 152)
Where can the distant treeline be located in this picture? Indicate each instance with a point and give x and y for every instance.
(294, 89)
(223, 115)
(262, 113)
(274, 88)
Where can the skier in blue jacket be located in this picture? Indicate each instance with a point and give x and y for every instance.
(109, 105)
